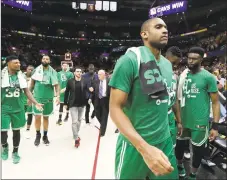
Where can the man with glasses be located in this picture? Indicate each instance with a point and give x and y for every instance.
(196, 88)
(75, 98)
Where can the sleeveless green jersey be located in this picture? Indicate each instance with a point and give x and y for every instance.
(196, 91)
(148, 116)
(12, 98)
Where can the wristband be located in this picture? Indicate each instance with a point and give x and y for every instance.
(214, 126)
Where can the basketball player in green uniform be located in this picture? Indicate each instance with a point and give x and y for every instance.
(197, 87)
(13, 88)
(144, 146)
(173, 54)
(28, 107)
(44, 82)
(63, 77)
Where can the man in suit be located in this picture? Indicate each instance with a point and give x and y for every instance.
(102, 94)
(89, 77)
(75, 98)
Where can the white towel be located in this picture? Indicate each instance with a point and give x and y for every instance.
(38, 74)
(5, 79)
(136, 50)
(180, 87)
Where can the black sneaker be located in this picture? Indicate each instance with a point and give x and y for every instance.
(45, 140)
(59, 122)
(66, 118)
(37, 140)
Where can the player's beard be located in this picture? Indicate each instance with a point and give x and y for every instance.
(194, 67)
(45, 64)
(157, 45)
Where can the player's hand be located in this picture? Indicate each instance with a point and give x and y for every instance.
(156, 161)
(57, 101)
(179, 129)
(65, 106)
(91, 89)
(62, 90)
(39, 107)
(213, 134)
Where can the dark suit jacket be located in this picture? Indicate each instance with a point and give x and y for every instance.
(89, 80)
(70, 92)
(96, 84)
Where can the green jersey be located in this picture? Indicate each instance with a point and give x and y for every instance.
(44, 89)
(28, 79)
(12, 97)
(63, 78)
(148, 116)
(196, 91)
(172, 91)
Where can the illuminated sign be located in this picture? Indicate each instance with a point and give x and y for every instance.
(26, 5)
(175, 7)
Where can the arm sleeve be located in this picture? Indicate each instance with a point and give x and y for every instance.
(212, 84)
(123, 74)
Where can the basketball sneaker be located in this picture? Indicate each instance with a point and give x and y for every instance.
(16, 158)
(37, 140)
(5, 153)
(59, 122)
(181, 171)
(46, 141)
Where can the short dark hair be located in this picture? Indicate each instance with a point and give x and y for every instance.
(10, 58)
(175, 51)
(197, 50)
(77, 67)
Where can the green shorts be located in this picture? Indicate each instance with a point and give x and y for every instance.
(48, 107)
(198, 136)
(17, 120)
(129, 163)
(28, 109)
(172, 127)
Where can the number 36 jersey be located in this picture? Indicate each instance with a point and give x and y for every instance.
(12, 98)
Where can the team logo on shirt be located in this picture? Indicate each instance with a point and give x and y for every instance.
(159, 101)
(63, 77)
(190, 91)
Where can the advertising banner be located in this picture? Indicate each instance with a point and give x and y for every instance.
(26, 5)
(174, 7)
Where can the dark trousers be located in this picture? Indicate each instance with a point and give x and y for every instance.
(102, 112)
(87, 111)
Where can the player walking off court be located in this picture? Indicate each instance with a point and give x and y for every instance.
(44, 82)
(63, 77)
(13, 88)
(173, 54)
(197, 87)
(139, 108)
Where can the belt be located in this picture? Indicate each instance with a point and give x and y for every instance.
(170, 110)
